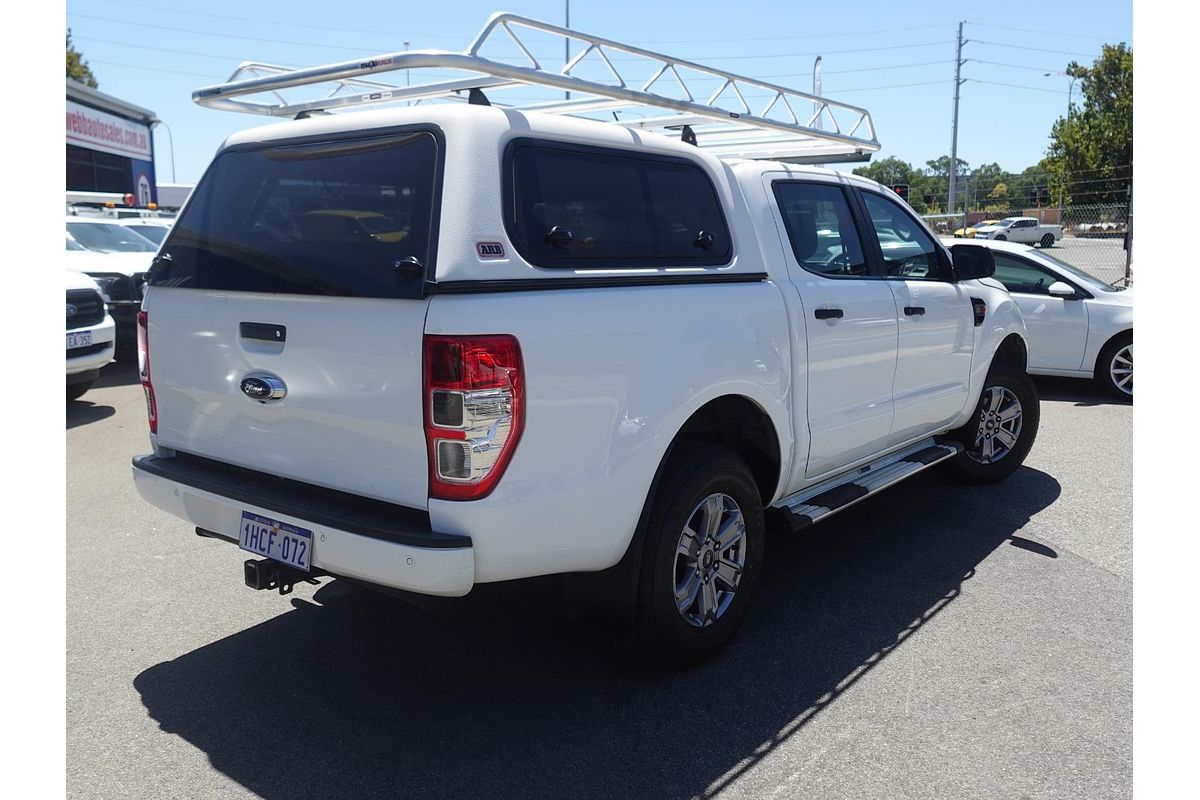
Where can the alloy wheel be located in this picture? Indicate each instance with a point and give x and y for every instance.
(1120, 369)
(710, 558)
(999, 426)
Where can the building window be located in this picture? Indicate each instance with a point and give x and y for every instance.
(93, 171)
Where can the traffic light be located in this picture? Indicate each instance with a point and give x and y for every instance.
(902, 190)
(928, 198)
(1044, 196)
(1033, 195)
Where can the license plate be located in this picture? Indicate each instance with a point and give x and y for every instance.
(81, 339)
(276, 540)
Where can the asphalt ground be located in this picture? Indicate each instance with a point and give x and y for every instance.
(935, 641)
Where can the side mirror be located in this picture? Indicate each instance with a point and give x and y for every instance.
(973, 261)
(1061, 289)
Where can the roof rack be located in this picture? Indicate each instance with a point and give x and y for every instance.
(789, 125)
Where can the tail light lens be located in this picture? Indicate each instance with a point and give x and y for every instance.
(143, 344)
(474, 412)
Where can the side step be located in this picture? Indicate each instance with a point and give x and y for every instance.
(815, 503)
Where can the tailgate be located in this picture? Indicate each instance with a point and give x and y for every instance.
(301, 263)
(351, 417)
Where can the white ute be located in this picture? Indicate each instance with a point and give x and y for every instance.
(90, 334)
(1023, 230)
(428, 347)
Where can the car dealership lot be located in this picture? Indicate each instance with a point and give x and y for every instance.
(934, 641)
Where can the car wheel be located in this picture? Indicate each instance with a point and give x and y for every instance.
(78, 390)
(1114, 367)
(1048, 240)
(702, 556)
(1000, 237)
(1001, 431)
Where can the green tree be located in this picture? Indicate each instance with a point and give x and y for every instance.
(1091, 150)
(77, 68)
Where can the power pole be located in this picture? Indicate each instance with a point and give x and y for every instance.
(958, 62)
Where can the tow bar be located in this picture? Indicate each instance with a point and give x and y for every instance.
(267, 574)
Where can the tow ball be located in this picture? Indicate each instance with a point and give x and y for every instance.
(267, 574)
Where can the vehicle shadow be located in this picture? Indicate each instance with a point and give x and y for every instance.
(503, 696)
(118, 373)
(83, 412)
(1080, 391)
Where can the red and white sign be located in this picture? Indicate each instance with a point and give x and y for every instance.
(97, 130)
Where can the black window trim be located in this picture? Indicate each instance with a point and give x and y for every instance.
(508, 190)
(1083, 293)
(874, 271)
(421, 282)
(946, 262)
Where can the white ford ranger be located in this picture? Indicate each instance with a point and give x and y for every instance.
(449, 344)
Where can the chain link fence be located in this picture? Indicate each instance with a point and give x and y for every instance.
(1096, 238)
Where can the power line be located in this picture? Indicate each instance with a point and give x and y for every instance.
(893, 86)
(1036, 49)
(1015, 66)
(220, 35)
(277, 23)
(360, 49)
(1017, 86)
(1043, 32)
(160, 49)
(155, 69)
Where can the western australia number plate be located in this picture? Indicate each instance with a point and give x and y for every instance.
(80, 339)
(276, 540)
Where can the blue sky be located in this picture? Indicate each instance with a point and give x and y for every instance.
(894, 58)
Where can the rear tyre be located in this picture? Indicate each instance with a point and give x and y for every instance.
(1114, 367)
(78, 390)
(1048, 240)
(702, 557)
(1002, 429)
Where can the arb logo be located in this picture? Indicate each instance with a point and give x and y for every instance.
(490, 249)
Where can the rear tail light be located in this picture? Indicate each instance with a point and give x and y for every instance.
(143, 343)
(474, 412)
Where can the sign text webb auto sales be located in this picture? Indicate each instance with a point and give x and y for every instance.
(96, 130)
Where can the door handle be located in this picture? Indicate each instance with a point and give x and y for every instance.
(828, 313)
(914, 311)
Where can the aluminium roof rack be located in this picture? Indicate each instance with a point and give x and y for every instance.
(666, 93)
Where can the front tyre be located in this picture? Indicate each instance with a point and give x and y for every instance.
(1000, 237)
(1114, 367)
(1002, 430)
(702, 558)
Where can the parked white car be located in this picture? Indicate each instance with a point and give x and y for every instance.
(1026, 230)
(1079, 326)
(153, 228)
(90, 334)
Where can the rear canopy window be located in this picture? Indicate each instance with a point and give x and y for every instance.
(329, 218)
(594, 208)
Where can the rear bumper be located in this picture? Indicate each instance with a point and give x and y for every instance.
(352, 537)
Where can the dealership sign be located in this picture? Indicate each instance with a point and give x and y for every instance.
(96, 130)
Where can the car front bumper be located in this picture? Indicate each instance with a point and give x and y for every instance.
(90, 359)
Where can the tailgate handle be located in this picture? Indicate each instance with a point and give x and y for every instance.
(263, 331)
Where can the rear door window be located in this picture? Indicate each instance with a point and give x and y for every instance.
(585, 207)
(343, 218)
(821, 229)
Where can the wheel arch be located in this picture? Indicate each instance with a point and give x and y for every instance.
(1124, 333)
(737, 423)
(1012, 351)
